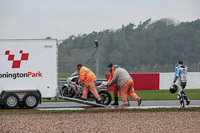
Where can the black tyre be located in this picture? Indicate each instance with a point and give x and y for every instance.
(105, 95)
(11, 101)
(30, 100)
(67, 92)
(2, 106)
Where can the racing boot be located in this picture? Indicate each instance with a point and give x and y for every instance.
(186, 98)
(182, 104)
(181, 101)
(116, 101)
(188, 102)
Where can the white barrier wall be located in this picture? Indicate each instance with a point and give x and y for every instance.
(193, 80)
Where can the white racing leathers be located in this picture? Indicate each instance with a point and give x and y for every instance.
(181, 81)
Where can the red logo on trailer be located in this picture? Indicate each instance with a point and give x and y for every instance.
(17, 63)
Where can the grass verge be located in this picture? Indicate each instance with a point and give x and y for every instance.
(193, 94)
(97, 111)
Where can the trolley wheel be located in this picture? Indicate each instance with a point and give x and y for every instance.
(30, 100)
(106, 97)
(11, 101)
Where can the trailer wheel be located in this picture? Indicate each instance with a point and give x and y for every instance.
(30, 100)
(2, 106)
(106, 97)
(11, 101)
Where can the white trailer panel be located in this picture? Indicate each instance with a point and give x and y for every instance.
(28, 65)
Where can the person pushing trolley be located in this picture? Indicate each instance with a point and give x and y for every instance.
(124, 83)
(180, 81)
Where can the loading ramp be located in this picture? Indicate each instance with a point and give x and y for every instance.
(82, 101)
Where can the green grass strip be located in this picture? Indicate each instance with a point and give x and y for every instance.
(193, 94)
(98, 110)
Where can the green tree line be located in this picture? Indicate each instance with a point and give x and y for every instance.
(135, 47)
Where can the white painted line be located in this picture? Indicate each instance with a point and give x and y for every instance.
(62, 109)
(132, 107)
(149, 107)
(152, 107)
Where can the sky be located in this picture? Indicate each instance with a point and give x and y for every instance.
(59, 19)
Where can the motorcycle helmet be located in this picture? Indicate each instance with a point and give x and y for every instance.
(173, 89)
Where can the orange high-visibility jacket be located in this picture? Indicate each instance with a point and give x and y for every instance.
(86, 75)
(111, 75)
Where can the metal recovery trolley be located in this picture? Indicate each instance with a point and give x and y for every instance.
(82, 101)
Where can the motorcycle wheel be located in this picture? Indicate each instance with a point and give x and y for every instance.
(105, 95)
(67, 92)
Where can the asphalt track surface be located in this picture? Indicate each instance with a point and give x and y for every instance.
(133, 104)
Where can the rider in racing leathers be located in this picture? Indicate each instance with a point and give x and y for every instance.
(180, 80)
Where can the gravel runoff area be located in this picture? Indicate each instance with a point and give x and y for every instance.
(102, 122)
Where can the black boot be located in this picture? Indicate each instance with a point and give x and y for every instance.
(100, 101)
(116, 101)
(186, 98)
(181, 101)
(83, 99)
(139, 102)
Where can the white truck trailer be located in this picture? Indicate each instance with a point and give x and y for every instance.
(28, 72)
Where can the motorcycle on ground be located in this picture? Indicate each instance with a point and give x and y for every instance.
(73, 90)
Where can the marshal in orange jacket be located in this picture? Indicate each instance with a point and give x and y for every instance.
(86, 75)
